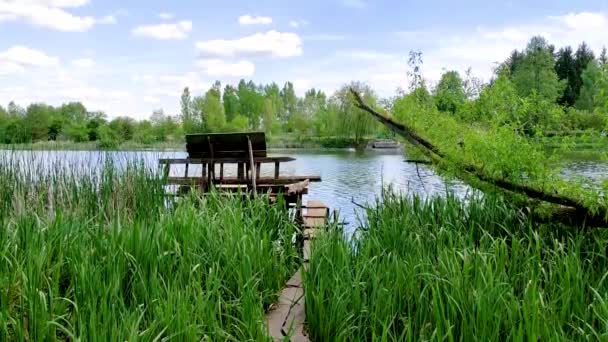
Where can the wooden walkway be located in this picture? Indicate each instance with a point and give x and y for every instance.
(286, 319)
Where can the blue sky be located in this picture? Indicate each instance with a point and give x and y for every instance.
(131, 57)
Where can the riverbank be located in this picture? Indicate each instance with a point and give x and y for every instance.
(590, 146)
(285, 142)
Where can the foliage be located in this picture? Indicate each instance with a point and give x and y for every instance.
(450, 94)
(535, 73)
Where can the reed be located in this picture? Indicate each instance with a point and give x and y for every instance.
(451, 269)
(104, 255)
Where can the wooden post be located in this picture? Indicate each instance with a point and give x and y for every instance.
(186, 171)
(257, 170)
(211, 170)
(211, 173)
(241, 171)
(276, 170)
(203, 180)
(255, 190)
(221, 171)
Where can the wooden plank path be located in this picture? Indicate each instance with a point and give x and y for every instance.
(287, 318)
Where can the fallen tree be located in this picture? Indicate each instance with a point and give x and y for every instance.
(569, 210)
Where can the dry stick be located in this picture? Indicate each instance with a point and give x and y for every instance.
(436, 154)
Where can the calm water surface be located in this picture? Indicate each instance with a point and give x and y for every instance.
(348, 176)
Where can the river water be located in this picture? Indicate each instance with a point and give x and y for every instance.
(349, 177)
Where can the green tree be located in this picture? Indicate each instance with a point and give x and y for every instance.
(144, 132)
(565, 67)
(97, 120)
(583, 56)
(591, 87)
(231, 102)
(269, 115)
(251, 103)
(239, 123)
(124, 127)
(37, 121)
(513, 62)
(536, 74)
(290, 102)
(189, 122)
(498, 101)
(354, 122)
(449, 94)
(603, 57)
(213, 109)
(273, 120)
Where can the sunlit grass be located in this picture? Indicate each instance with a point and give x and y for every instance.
(106, 256)
(446, 270)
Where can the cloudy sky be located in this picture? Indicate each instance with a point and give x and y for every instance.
(132, 56)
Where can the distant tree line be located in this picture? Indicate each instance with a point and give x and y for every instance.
(278, 110)
(73, 122)
(270, 108)
(539, 89)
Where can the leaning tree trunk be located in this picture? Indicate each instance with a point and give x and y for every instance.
(583, 214)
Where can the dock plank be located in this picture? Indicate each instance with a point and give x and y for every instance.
(287, 318)
(314, 222)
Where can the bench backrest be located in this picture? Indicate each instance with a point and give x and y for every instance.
(226, 145)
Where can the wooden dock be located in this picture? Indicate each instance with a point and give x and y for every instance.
(246, 151)
(287, 318)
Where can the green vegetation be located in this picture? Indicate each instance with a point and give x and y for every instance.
(277, 111)
(516, 129)
(105, 256)
(448, 269)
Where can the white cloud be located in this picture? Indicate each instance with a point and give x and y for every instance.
(220, 68)
(254, 20)
(19, 58)
(58, 85)
(151, 99)
(166, 16)
(271, 43)
(179, 30)
(358, 4)
(48, 14)
(171, 85)
(583, 21)
(83, 63)
(298, 23)
(108, 19)
(55, 3)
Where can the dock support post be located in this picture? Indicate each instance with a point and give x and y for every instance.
(241, 171)
(277, 165)
(253, 172)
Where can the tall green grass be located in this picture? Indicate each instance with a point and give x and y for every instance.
(447, 269)
(104, 256)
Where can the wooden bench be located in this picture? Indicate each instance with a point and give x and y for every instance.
(247, 151)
